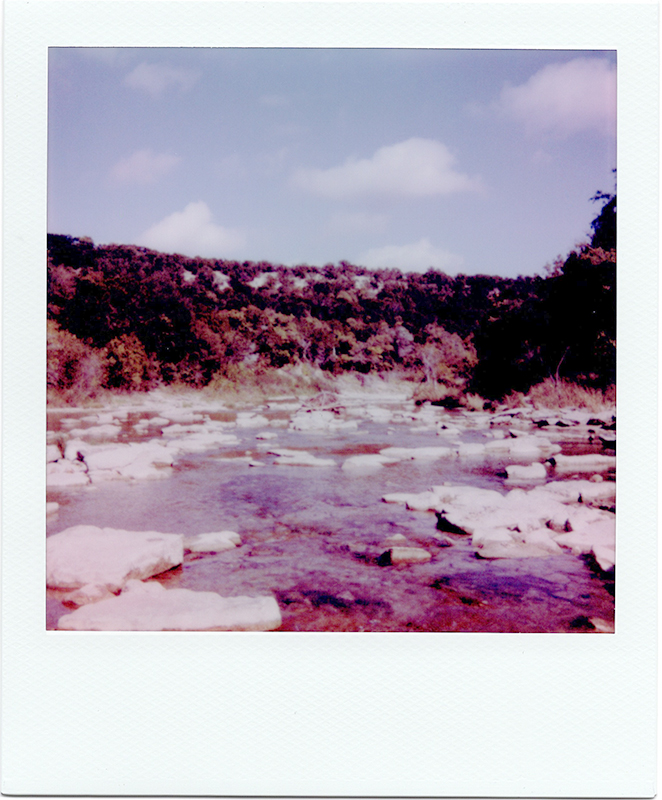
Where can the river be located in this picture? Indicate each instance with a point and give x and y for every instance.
(310, 533)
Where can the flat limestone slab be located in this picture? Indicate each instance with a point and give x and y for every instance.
(151, 607)
(108, 557)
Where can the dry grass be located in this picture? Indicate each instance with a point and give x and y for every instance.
(242, 384)
(473, 402)
(563, 394)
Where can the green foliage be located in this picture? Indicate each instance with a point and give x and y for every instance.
(128, 365)
(73, 369)
(129, 318)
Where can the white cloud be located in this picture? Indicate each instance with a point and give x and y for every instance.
(565, 98)
(416, 168)
(191, 232)
(155, 78)
(416, 257)
(143, 166)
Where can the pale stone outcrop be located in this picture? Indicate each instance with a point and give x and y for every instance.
(108, 557)
(151, 607)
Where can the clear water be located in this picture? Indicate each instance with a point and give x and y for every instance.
(310, 537)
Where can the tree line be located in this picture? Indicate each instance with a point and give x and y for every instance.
(129, 318)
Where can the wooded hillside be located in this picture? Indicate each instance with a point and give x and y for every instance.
(125, 317)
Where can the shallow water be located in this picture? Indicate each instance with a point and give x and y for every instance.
(310, 536)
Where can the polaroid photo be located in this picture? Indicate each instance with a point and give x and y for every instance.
(316, 311)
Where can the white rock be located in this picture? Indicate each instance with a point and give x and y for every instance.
(53, 453)
(212, 542)
(116, 457)
(602, 625)
(605, 556)
(448, 430)
(572, 491)
(183, 417)
(247, 419)
(471, 496)
(312, 420)
(600, 533)
(423, 501)
(108, 557)
(150, 607)
(199, 442)
(409, 555)
(367, 463)
(300, 458)
(530, 472)
(61, 473)
(417, 453)
(586, 463)
(98, 432)
(471, 449)
(505, 543)
(378, 414)
(90, 593)
(52, 508)
(75, 446)
(157, 422)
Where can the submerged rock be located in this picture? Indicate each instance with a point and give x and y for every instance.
(300, 458)
(247, 419)
(213, 542)
(367, 463)
(107, 557)
(417, 453)
(151, 607)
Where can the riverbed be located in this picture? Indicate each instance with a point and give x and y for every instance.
(314, 534)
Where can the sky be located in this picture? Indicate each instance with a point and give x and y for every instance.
(465, 161)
